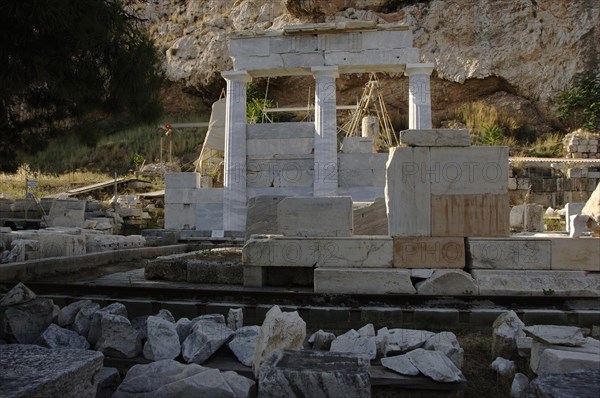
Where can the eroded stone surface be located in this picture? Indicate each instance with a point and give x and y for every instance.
(280, 330)
(592, 206)
(204, 340)
(367, 331)
(235, 318)
(169, 378)
(536, 283)
(448, 282)
(519, 386)
(559, 361)
(28, 320)
(163, 340)
(507, 329)
(591, 346)
(400, 364)
(57, 337)
(67, 314)
(400, 341)
(95, 329)
(321, 340)
(243, 344)
(435, 365)
(108, 380)
(241, 386)
(83, 319)
(584, 384)
(37, 372)
(117, 337)
(447, 343)
(504, 367)
(363, 346)
(554, 334)
(183, 326)
(19, 294)
(287, 373)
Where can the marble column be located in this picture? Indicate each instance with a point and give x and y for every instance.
(325, 144)
(419, 95)
(234, 193)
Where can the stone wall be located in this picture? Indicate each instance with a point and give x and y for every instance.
(551, 188)
(582, 145)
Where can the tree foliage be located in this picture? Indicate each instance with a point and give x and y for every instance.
(64, 61)
(579, 106)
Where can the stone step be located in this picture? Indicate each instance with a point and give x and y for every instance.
(536, 283)
(363, 281)
(346, 252)
(558, 253)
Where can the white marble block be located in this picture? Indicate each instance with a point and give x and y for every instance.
(536, 283)
(353, 252)
(180, 216)
(408, 192)
(581, 254)
(315, 216)
(357, 145)
(468, 171)
(509, 253)
(182, 180)
(436, 137)
(363, 281)
(429, 252)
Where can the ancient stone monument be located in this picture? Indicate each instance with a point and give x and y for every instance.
(298, 159)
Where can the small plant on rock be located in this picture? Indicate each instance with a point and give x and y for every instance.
(579, 105)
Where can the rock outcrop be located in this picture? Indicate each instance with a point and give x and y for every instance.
(531, 49)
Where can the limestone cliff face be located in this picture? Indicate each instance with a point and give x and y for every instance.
(528, 48)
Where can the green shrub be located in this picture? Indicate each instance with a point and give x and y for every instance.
(579, 106)
(118, 150)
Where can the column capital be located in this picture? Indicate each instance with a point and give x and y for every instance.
(419, 69)
(240, 75)
(329, 71)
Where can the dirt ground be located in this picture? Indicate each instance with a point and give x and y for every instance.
(483, 382)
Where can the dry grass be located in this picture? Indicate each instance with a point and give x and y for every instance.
(483, 381)
(13, 185)
(549, 145)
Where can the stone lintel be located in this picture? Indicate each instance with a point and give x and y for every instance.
(343, 69)
(436, 137)
(327, 27)
(236, 75)
(329, 71)
(419, 69)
